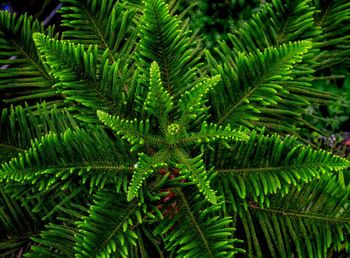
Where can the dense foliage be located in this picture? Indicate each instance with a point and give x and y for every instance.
(120, 136)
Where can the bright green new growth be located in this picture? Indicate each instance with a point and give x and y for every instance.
(171, 146)
(121, 137)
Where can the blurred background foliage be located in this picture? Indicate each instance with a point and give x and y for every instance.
(40, 9)
(212, 21)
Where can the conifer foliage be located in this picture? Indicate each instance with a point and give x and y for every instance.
(119, 137)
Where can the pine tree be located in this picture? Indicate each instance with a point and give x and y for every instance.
(121, 137)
